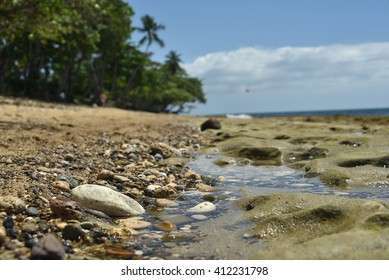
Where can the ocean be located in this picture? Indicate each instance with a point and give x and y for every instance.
(376, 112)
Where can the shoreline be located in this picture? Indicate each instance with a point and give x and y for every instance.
(41, 142)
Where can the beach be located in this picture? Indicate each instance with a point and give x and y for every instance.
(48, 151)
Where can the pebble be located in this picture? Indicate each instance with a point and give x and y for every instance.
(68, 178)
(8, 222)
(106, 200)
(11, 204)
(29, 226)
(199, 217)
(176, 219)
(163, 202)
(87, 225)
(159, 191)
(165, 226)
(121, 179)
(69, 157)
(158, 157)
(32, 211)
(62, 185)
(203, 207)
(192, 175)
(48, 248)
(206, 188)
(105, 175)
(72, 232)
(165, 150)
(133, 223)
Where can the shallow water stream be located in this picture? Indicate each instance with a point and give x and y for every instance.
(223, 232)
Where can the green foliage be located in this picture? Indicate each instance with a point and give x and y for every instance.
(74, 50)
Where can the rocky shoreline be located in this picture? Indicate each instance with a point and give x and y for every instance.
(346, 154)
(64, 170)
(93, 183)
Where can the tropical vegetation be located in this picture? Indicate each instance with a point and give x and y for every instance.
(77, 50)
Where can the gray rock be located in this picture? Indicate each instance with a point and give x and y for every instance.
(48, 248)
(106, 200)
(32, 211)
(12, 204)
(68, 178)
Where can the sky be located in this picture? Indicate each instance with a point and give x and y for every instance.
(257, 56)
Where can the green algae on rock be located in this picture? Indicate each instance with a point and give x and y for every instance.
(290, 222)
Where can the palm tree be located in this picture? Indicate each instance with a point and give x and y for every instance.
(172, 62)
(151, 29)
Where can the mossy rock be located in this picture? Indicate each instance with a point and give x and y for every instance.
(259, 153)
(334, 178)
(288, 223)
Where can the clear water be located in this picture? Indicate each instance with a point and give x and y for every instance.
(201, 240)
(256, 180)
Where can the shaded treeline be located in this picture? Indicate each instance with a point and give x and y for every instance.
(76, 50)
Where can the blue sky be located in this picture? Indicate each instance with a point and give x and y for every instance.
(292, 55)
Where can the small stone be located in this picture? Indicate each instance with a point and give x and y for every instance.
(220, 179)
(105, 175)
(62, 185)
(165, 226)
(44, 169)
(134, 223)
(87, 225)
(209, 197)
(69, 157)
(159, 191)
(138, 252)
(106, 200)
(210, 124)
(206, 188)
(12, 204)
(163, 202)
(165, 150)
(199, 217)
(158, 157)
(121, 179)
(48, 248)
(68, 178)
(8, 222)
(62, 206)
(30, 226)
(72, 232)
(176, 219)
(203, 207)
(192, 176)
(32, 211)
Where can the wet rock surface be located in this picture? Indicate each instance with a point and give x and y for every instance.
(286, 221)
(348, 155)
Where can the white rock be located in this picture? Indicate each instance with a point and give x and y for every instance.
(106, 200)
(203, 207)
(199, 217)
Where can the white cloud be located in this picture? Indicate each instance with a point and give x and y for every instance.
(303, 72)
